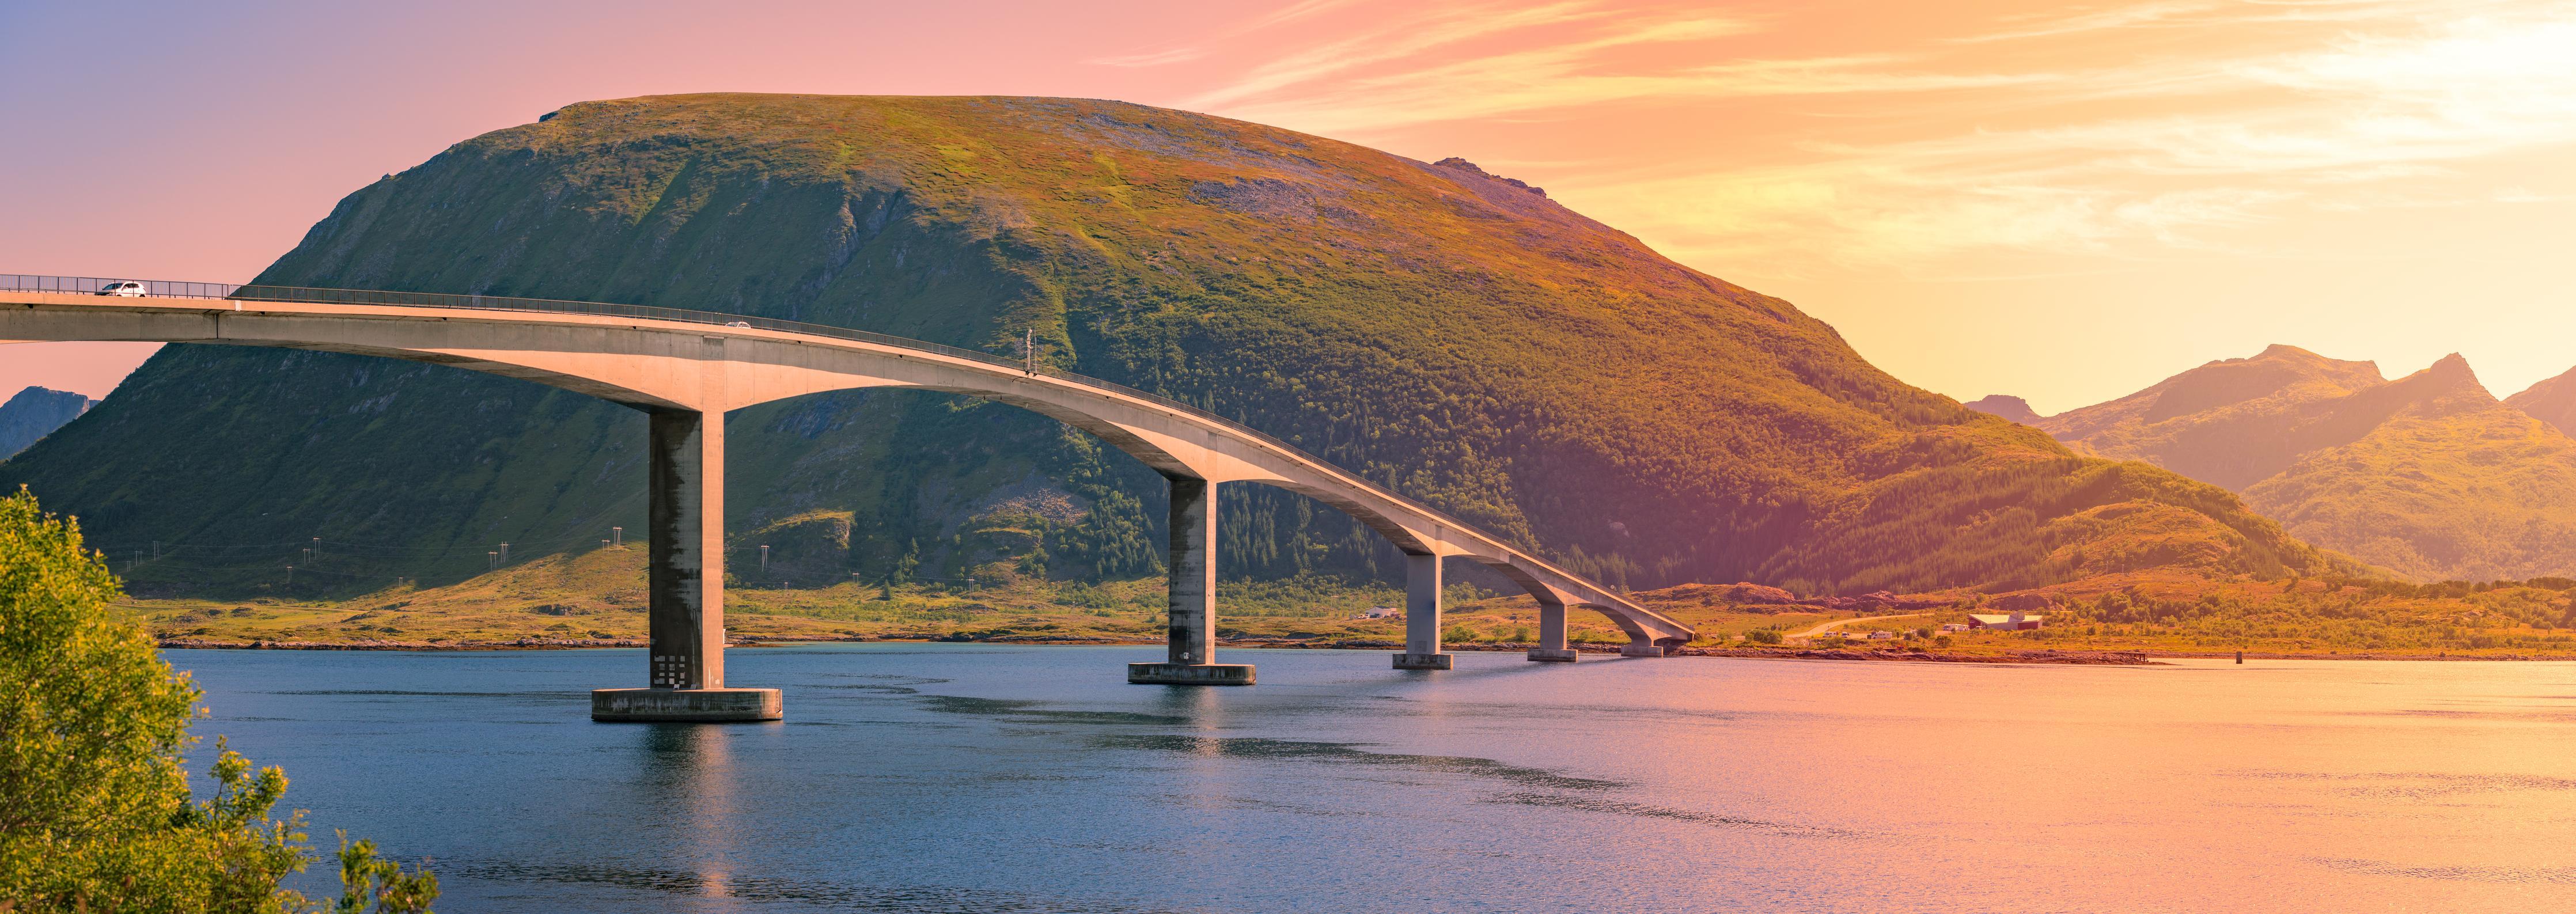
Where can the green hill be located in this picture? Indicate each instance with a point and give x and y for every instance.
(2428, 475)
(1452, 333)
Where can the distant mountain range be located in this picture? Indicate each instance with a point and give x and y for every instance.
(2428, 475)
(34, 413)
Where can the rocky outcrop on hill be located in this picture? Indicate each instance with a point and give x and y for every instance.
(2013, 408)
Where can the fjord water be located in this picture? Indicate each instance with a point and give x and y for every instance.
(985, 778)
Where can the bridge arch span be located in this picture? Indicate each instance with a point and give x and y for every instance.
(685, 367)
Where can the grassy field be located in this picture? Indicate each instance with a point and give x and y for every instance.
(597, 597)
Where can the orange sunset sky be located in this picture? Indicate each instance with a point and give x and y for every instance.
(2061, 201)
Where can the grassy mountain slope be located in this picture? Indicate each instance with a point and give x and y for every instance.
(2427, 475)
(1454, 334)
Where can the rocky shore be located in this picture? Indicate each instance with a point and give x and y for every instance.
(521, 644)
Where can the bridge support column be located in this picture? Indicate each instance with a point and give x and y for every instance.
(1191, 637)
(1422, 615)
(1641, 644)
(1551, 634)
(684, 576)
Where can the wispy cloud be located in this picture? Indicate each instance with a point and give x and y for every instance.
(1407, 39)
(1302, 10)
(2035, 26)
(2160, 122)
(1155, 59)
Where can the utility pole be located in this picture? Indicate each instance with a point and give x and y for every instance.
(317, 547)
(617, 537)
(290, 574)
(493, 559)
(505, 553)
(1029, 351)
(156, 550)
(764, 560)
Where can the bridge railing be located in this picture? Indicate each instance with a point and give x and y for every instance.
(20, 282)
(90, 285)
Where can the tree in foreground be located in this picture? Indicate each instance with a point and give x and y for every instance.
(95, 810)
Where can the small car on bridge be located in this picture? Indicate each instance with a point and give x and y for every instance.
(123, 289)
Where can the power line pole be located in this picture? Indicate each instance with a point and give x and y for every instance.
(764, 560)
(290, 575)
(505, 553)
(493, 560)
(617, 537)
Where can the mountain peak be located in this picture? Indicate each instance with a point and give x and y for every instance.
(34, 413)
(2447, 385)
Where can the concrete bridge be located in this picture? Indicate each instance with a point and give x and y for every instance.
(686, 369)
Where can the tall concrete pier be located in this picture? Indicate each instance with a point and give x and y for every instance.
(1190, 638)
(684, 532)
(1551, 633)
(1422, 615)
(684, 570)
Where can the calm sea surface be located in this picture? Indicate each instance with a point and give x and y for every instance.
(1030, 779)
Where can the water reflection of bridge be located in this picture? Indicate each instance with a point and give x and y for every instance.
(686, 369)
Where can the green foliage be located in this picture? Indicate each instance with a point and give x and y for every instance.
(95, 811)
(372, 885)
(2340, 614)
(1763, 636)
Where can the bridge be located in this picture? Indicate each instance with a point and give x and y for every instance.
(686, 369)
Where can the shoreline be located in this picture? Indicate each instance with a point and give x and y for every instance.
(2063, 657)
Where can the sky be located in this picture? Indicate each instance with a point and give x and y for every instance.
(2065, 202)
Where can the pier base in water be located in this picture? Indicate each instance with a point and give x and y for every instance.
(1552, 655)
(1208, 674)
(1422, 661)
(685, 705)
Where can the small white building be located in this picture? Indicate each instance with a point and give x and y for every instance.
(2017, 621)
(1381, 612)
(1955, 627)
(1882, 636)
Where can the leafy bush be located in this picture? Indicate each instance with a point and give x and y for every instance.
(95, 811)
